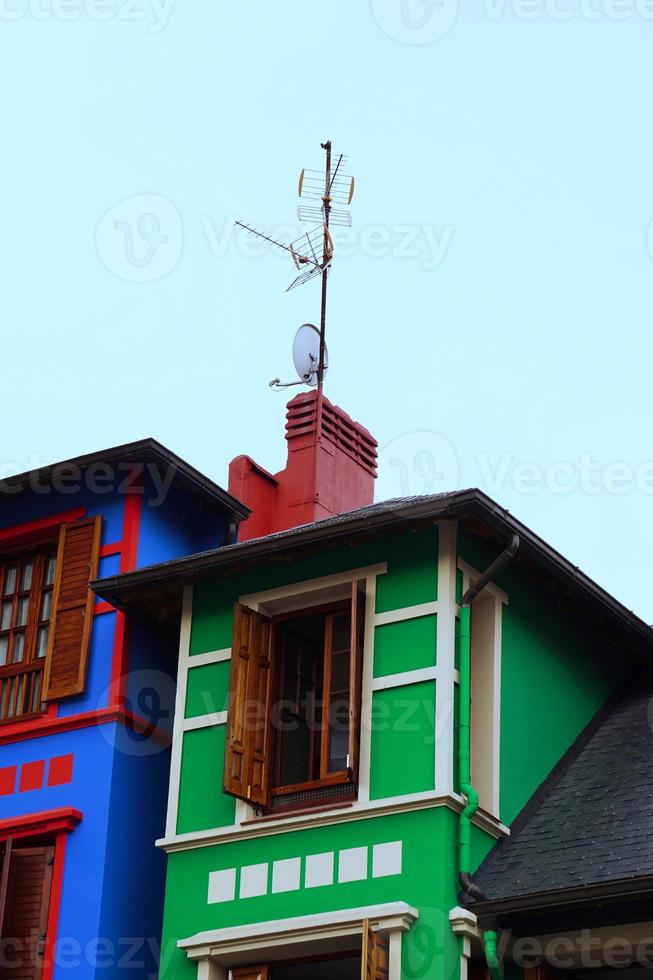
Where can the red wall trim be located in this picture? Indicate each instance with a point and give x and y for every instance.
(103, 716)
(129, 555)
(100, 608)
(114, 548)
(52, 927)
(46, 822)
(21, 532)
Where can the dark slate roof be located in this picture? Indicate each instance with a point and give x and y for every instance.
(592, 821)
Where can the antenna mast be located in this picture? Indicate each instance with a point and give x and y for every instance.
(326, 204)
(326, 187)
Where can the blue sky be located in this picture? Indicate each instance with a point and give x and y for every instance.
(490, 311)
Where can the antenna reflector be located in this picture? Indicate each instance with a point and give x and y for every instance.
(306, 354)
(311, 273)
(313, 216)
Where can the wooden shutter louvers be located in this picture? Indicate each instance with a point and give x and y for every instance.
(248, 726)
(375, 955)
(72, 609)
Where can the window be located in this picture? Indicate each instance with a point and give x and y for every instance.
(25, 885)
(374, 955)
(345, 967)
(293, 726)
(26, 585)
(46, 612)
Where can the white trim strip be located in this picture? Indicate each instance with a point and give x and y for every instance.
(365, 745)
(472, 574)
(205, 659)
(405, 678)
(393, 915)
(408, 612)
(205, 721)
(357, 811)
(180, 707)
(446, 641)
(299, 588)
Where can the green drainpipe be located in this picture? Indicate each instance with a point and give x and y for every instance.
(490, 944)
(465, 863)
(464, 752)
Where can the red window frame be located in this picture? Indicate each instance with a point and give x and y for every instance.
(26, 588)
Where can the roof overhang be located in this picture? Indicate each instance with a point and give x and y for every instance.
(145, 452)
(538, 913)
(140, 590)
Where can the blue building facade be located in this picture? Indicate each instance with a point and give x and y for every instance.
(86, 707)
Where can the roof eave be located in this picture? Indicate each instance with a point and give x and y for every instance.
(142, 449)
(463, 503)
(562, 898)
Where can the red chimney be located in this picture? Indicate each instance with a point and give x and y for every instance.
(331, 469)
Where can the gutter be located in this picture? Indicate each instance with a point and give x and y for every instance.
(567, 898)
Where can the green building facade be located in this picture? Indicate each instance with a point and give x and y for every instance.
(256, 888)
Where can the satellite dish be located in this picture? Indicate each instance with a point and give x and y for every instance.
(306, 354)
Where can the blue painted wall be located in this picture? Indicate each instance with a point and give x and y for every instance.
(113, 873)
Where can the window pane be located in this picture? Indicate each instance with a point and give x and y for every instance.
(50, 566)
(18, 650)
(42, 641)
(338, 748)
(23, 608)
(10, 697)
(46, 605)
(4, 645)
(26, 577)
(10, 581)
(340, 673)
(20, 707)
(342, 631)
(5, 615)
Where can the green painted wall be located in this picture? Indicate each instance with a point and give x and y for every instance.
(403, 741)
(207, 689)
(408, 645)
(426, 838)
(555, 677)
(403, 736)
(412, 578)
(202, 804)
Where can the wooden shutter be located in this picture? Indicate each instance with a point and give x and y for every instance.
(251, 973)
(246, 766)
(72, 609)
(26, 912)
(356, 671)
(375, 957)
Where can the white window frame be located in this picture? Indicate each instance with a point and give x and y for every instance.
(219, 950)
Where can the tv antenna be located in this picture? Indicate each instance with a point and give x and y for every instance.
(312, 252)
